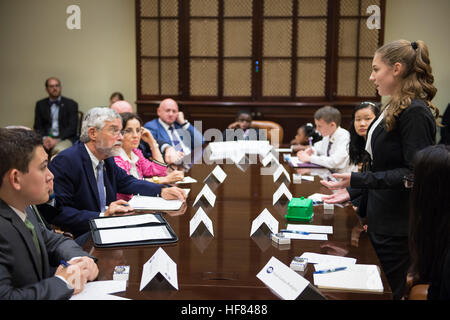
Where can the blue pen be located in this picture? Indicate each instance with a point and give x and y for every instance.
(293, 231)
(330, 270)
(64, 263)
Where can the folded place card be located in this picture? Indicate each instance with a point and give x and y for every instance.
(160, 263)
(281, 172)
(282, 191)
(207, 194)
(284, 281)
(198, 218)
(217, 173)
(265, 217)
(270, 158)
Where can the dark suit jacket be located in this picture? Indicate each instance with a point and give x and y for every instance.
(20, 277)
(393, 152)
(160, 134)
(67, 120)
(75, 186)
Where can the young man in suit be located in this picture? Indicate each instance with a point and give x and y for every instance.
(172, 129)
(87, 178)
(56, 118)
(28, 250)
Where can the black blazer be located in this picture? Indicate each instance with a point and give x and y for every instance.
(393, 152)
(20, 277)
(68, 118)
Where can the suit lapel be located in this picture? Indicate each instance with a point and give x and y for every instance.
(37, 226)
(25, 234)
(164, 133)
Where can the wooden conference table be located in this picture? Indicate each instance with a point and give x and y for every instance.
(224, 266)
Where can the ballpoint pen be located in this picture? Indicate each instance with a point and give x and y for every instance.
(64, 263)
(294, 231)
(310, 141)
(330, 270)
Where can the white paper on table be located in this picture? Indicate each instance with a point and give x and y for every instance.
(310, 228)
(316, 196)
(186, 180)
(122, 221)
(281, 150)
(282, 189)
(161, 263)
(200, 216)
(207, 194)
(281, 170)
(328, 259)
(154, 203)
(109, 236)
(101, 290)
(312, 236)
(186, 191)
(286, 283)
(264, 217)
(308, 178)
(357, 277)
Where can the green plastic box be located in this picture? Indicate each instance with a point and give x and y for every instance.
(299, 209)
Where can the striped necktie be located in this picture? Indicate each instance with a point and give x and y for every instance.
(101, 187)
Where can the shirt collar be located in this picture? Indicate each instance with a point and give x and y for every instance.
(165, 125)
(124, 156)
(94, 159)
(22, 215)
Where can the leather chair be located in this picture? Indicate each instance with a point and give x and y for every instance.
(419, 292)
(268, 125)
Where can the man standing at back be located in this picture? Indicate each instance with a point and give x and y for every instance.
(56, 118)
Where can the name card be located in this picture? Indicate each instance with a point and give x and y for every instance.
(207, 194)
(284, 281)
(281, 191)
(281, 171)
(268, 219)
(268, 159)
(160, 263)
(218, 173)
(198, 218)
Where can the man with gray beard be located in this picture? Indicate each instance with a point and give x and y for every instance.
(87, 179)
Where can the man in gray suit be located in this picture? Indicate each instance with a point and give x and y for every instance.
(28, 250)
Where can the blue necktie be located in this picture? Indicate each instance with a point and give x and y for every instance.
(101, 186)
(175, 141)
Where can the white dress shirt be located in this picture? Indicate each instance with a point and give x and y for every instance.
(166, 127)
(338, 159)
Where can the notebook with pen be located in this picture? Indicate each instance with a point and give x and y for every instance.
(132, 230)
(296, 163)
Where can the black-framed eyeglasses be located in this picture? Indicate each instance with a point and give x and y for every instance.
(408, 181)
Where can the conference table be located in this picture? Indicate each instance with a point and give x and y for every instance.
(224, 266)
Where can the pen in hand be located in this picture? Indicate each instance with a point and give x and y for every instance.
(64, 263)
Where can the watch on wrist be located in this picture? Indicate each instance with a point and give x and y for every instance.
(155, 179)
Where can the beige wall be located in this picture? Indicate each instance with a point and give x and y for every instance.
(92, 62)
(100, 58)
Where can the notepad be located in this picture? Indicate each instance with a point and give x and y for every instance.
(123, 221)
(137, 234)
(154, 203)
(310, 228)
(357, 277)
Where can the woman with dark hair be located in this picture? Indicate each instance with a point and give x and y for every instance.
(401, 70)
(133, 161)
(429, 232)
(305, 134)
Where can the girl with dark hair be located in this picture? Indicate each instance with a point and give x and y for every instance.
(429, 232)
(402, 71)
(305, 133)
(133, 161)
(362, 117)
